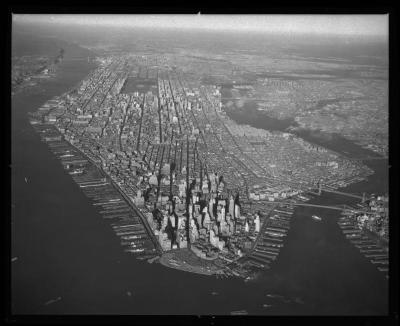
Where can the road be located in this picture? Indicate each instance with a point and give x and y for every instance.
(263, 226)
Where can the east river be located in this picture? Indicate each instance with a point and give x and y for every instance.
(65, 249)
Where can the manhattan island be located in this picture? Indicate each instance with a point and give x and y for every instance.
(179, 181)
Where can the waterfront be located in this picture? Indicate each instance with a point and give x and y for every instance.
(65, 249)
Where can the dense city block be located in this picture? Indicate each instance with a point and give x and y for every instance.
(176, 176)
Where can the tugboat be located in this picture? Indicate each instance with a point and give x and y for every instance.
(317, 218)
(76, 171)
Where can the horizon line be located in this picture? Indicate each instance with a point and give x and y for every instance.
(342, 25)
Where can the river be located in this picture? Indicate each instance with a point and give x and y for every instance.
(65, 249)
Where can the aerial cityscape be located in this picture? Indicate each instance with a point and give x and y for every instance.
(249, 168)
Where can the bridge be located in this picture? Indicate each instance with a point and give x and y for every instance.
(338, 208)
(332, 191)
(343, 207)
(368, 158)
(244, 99)
(339, 193)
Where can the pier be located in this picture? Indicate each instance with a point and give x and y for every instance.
(113, 204)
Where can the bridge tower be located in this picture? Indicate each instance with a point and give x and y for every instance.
(363, 198)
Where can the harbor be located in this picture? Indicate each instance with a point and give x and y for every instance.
(371, 248)
(111, 205)
(270, 239)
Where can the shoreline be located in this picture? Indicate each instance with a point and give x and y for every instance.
(165, 254)
(139, 212)
(305, 133)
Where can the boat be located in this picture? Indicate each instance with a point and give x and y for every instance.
(151, 260)
(279, 297)
(275, 296)
(77, 171)
(33, 122)
(239, 312)
(317, 218)
(52, 301)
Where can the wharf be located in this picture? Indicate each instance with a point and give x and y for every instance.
(367, 243)
(103, 192)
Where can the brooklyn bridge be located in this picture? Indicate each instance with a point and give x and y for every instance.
(343, 207)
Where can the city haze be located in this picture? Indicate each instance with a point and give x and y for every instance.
(374, 25)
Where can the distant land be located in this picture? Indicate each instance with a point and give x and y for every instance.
(25, 44)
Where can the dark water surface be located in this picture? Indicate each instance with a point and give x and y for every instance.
(250, 115)
(65, 249)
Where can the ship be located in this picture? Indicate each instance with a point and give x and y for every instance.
(76, 171)
(317, 218)
(239, 312)
(33, 121)
(52, 301)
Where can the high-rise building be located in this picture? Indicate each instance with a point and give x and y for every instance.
(257, 223)
(237, 211)
(232, 206)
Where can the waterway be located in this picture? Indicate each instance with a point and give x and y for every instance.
(66, 250)
(246, 112)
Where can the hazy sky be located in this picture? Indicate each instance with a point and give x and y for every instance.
(328, 24)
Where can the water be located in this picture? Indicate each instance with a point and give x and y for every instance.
(66, 250)
(247, 113)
